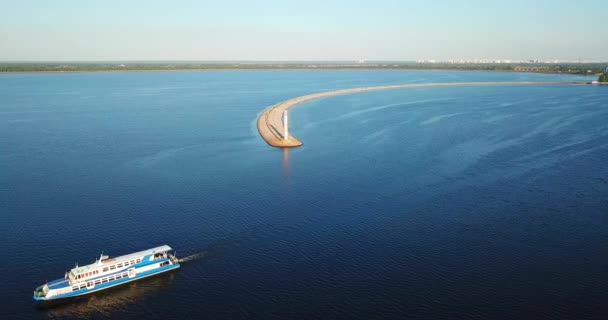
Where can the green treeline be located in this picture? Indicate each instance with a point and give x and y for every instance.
(603, 77)
(571, 68)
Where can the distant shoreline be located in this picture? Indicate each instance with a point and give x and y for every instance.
(575, 69)
(292, 69)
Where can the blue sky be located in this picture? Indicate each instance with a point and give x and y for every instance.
(302, 30)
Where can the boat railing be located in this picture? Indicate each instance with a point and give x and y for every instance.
(41, 291)
(172, 258)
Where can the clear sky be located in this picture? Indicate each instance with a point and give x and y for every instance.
(65, 30)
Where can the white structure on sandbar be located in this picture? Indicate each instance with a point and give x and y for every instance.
(285, 126)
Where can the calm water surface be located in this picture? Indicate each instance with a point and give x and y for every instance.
(463, 202)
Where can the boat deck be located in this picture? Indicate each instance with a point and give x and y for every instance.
(58, 284)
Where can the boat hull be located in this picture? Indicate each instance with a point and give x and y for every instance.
(108, 285)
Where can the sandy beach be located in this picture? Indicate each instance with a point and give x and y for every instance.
(270, 121)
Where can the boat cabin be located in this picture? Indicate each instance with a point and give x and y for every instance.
(105, 265)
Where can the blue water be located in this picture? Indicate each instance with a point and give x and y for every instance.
(428, 203)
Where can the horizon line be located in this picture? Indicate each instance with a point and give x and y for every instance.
(358, 61)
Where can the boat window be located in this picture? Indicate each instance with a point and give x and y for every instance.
(138, 260)
(118, 276)
(112, 267)
(82, 286)
(132, 261)
(105, 269)
(119, 265)
(104, 280)
(111, 278)
(97, 282)
(89, 284)
(75, 288)
(125, 274)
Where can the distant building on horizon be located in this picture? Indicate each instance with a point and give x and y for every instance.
(606, 70)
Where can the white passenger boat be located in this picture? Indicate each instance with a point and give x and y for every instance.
(105, 273)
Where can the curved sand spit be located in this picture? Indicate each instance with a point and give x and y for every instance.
(270, 124)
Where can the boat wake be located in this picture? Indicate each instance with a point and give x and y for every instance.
(195, 256)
